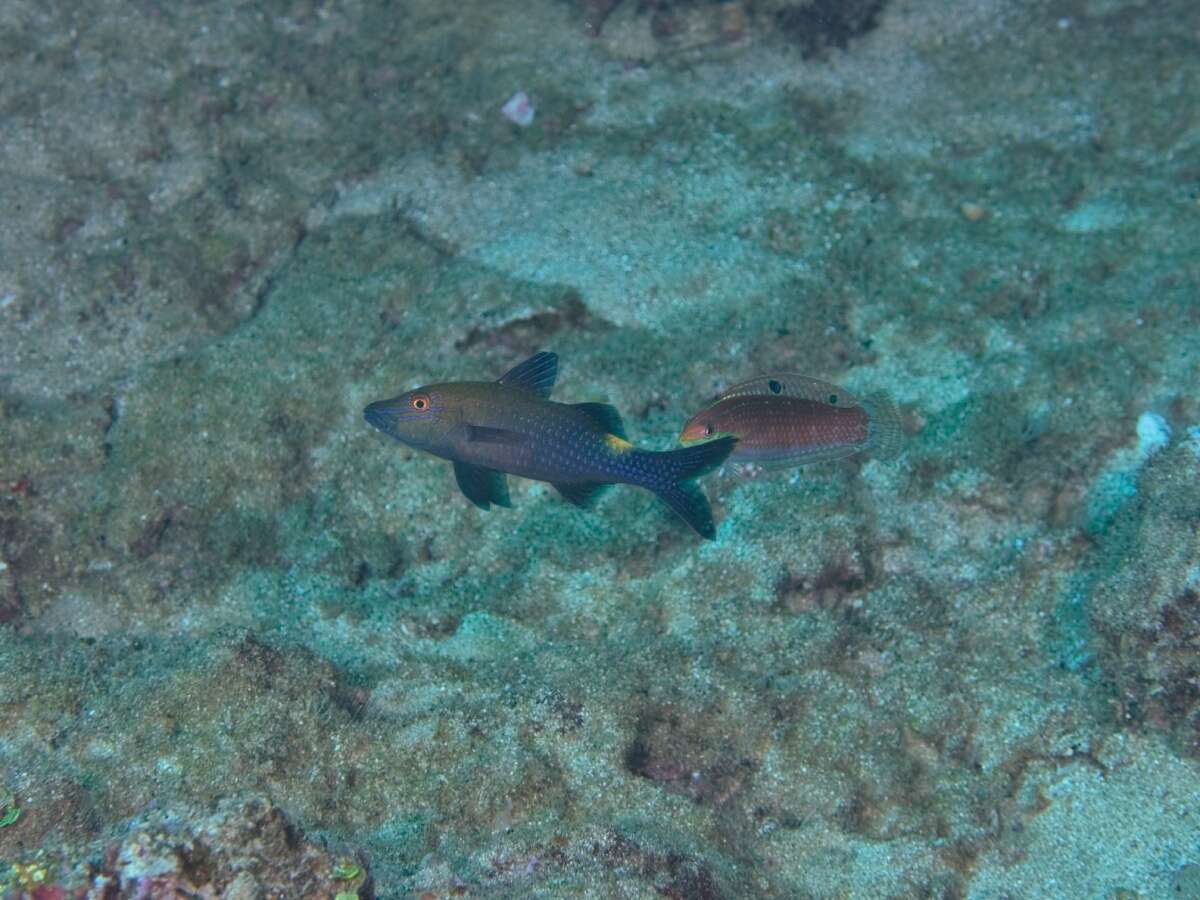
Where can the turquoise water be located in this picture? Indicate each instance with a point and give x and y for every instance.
(251, 647)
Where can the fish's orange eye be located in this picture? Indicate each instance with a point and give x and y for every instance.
(708, 430)
(420, 403)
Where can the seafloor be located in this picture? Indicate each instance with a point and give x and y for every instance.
(253, 649)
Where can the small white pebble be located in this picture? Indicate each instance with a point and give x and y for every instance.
(1153, 434)
(519, 109)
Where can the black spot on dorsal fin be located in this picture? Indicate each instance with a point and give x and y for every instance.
(605, 416)
(535, 375)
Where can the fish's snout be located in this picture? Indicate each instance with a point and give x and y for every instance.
(381, 415)
(415, 418)
(695, 430)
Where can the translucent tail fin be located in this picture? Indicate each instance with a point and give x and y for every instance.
(885, 434)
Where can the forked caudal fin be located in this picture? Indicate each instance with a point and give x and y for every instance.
(688, 502)
(674, 483)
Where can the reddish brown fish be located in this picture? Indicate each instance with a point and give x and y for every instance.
(788, 420)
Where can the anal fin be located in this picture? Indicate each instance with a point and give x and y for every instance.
(582, 493)
(481, 486)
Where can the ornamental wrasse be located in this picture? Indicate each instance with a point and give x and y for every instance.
(489, 428)
(788, 420)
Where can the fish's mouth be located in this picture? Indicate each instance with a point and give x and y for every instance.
(381, 415)
(697, 436)
(417, 428)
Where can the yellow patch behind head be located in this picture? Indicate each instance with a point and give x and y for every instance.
(616, 444)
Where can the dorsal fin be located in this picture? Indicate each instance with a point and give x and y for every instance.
(792, 384)
(605, 416)
(535, 375)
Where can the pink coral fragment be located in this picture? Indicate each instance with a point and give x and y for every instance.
(518, 109)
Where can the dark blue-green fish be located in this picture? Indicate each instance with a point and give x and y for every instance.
(489, 428)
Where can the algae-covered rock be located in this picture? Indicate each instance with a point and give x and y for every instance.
(243, 849)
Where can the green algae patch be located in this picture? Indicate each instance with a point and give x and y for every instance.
(9, 811)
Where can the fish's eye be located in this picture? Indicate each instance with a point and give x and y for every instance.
(774, 386)
(708, 430)
(420, 402)
(833, 398)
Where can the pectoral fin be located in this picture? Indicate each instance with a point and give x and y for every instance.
(481, 486)
(484, 435)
